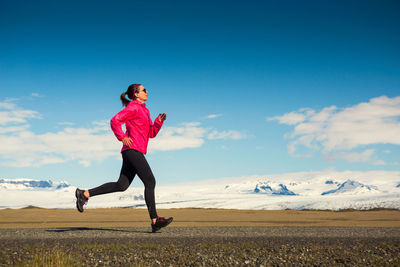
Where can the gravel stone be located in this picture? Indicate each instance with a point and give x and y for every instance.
(201, 246)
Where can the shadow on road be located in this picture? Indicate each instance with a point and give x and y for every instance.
(71, 229)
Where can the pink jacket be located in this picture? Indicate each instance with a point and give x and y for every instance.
(139, 126)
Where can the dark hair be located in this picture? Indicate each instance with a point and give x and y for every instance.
(132, 89)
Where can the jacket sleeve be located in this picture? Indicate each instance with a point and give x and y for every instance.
(119, 119)
(155, 128)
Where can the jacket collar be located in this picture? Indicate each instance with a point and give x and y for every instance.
(138, 102)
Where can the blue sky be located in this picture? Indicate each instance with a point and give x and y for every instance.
(249, 87)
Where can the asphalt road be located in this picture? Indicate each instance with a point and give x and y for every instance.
(201, 232)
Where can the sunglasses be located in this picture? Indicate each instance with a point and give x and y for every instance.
(144, 90)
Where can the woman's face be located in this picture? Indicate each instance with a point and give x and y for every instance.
(141, 95)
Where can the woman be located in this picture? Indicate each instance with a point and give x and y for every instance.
(139, 128)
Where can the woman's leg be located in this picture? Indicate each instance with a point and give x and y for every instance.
(125, 179)
(145, 174)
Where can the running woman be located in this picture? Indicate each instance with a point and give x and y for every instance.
(139, 128)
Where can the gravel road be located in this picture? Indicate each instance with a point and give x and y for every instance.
(205, 233)
(201, 246)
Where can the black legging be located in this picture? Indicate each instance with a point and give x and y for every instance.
(133, 163)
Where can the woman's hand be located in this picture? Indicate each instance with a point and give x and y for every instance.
(162, 117)
(127, 141)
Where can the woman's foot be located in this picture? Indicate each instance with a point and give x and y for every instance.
(80, 199)
(160, 223)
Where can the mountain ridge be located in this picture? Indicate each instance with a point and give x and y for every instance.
(26, 183)
(306, 191)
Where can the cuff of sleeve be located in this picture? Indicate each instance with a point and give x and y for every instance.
(160, 123)
(122, 138)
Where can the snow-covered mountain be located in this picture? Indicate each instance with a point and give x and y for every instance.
(352, 187)
(259, 187)
(305, 190)
(31, 184)
(268, 188)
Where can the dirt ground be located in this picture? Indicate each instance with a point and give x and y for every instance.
(45, 218)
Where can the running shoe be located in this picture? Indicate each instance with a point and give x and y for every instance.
(160, 223)
(80, 199)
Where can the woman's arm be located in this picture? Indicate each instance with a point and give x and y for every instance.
(155, 128)
(119, 119)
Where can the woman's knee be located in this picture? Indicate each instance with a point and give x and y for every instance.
(121, 186)
(150, 182)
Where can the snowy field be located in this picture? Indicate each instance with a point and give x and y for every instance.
(302, 190)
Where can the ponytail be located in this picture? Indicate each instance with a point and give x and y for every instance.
(125, 101)
(132, 89)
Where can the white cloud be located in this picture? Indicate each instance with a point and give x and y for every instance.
(365, 156)
(25, 148)
(293, 118)
(289, 118)
(191, 124)
(335, 129)
(21, 147)
(304, 156)
(357, 157)
(225, 135)
(85, 163)
(7, 105)
(212, 116)
(36, 95)
(379, 162)
(190, 135)
(10, 113)
(66, 123)
(12, 129)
